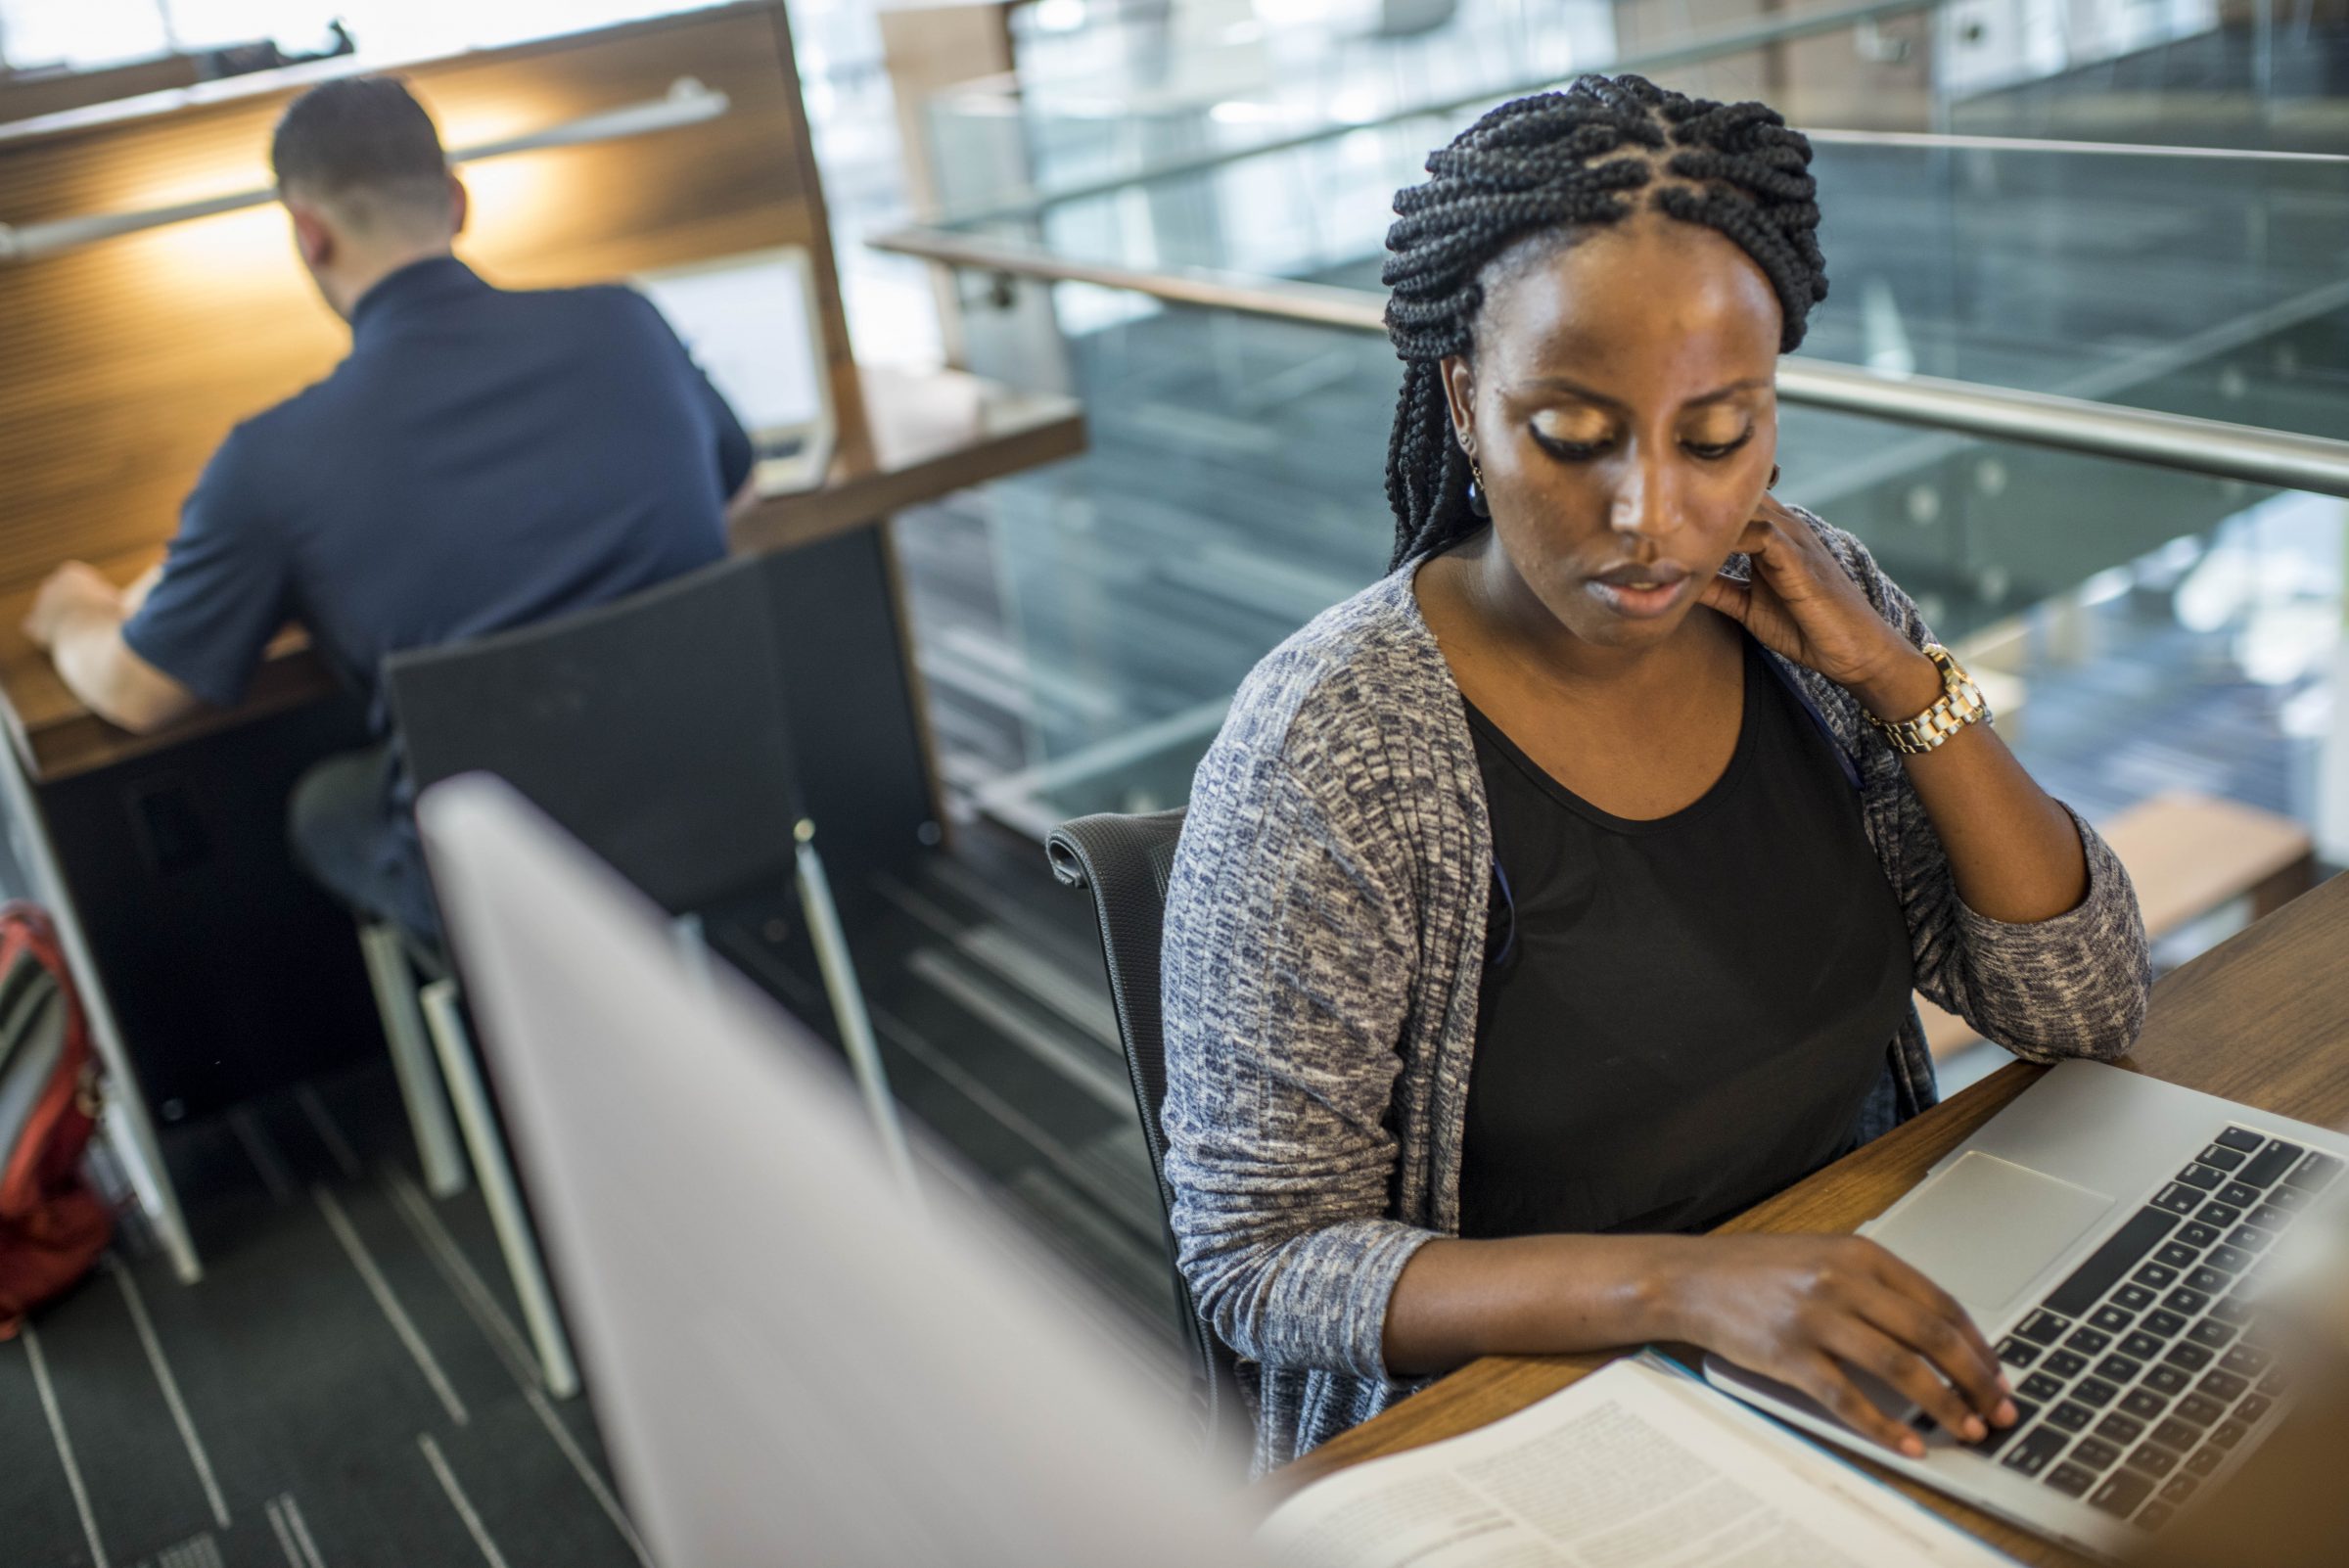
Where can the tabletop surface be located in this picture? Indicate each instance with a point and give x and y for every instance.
(2262, 1019)
(932, 433)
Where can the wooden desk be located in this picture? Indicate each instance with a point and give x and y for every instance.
(931, 434)
(2263, 1019)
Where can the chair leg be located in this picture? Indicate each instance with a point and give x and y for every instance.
(515, 1235)
(847, 1005)
(394, 985)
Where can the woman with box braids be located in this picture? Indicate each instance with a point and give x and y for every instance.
(1563, 892)
(1547, 166)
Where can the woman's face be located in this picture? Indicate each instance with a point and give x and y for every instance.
(1622, 407)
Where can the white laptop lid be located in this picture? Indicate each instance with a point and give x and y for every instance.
(792, 1362)
(751, 322)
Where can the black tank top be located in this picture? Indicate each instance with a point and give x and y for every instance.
(1684, 1015)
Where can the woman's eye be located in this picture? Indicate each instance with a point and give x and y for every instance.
(1712, 451)
(1570, 451)
(1573, 440)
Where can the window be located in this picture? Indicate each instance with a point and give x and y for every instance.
(80, 34)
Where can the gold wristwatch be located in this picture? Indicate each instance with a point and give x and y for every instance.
(1962, 704)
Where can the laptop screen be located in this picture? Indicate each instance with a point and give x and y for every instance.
(748, 321)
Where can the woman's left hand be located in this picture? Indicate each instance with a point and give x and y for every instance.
(1802, 605)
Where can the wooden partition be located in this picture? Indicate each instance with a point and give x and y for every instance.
(210, 967)
(24, 95)
(124, 362)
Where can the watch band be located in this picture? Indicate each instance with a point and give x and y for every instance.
(1962, 704)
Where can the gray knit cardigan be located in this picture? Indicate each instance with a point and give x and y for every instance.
(1325, 928)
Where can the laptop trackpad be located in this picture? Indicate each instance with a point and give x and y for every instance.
(1983, 1227)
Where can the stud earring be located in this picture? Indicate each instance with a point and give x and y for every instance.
(1476, 490)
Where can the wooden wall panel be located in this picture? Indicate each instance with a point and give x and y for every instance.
(26, 96)
(125, 362)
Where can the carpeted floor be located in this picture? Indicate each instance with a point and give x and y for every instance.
(345, 1385)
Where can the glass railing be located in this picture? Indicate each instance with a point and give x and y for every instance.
(2204, 282)
(1234, 483)
(1234, 488)
(1147, 106)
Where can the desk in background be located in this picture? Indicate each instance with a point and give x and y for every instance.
(205, 957)
(928, 435)
(2263, 1019)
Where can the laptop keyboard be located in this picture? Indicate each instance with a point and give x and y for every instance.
(2137, 1376)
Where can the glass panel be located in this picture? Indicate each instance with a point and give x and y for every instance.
(1146, 82)
(2195, 284)
(1235, 487)
(1178, 83)
(1233, 490)
(1145, 578)
(1106, 91)
(2187, 73)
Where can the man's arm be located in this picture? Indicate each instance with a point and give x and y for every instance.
(77, 617)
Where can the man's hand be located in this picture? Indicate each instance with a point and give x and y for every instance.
(76, 619)
(74, 591)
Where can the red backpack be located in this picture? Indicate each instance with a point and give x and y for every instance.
(53, 1224)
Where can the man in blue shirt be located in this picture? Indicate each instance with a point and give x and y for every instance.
(484, 458)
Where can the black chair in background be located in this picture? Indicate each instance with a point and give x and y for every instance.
(657, 731)
(1124, 861)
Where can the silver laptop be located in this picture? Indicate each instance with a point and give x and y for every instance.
(792, 1361)
(2110, 1234)
(751, 322)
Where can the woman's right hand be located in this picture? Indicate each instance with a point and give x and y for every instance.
(1810, 1310)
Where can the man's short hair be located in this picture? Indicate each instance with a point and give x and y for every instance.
(365, 148)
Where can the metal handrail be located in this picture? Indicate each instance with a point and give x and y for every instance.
(2208, 446)
(1946, 142)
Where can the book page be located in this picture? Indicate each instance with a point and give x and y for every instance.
(1636, 1466)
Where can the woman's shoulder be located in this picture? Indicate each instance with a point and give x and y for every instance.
(1355, 674)
(1352, 714)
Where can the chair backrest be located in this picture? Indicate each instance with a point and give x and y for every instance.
(655, 729)
(1124, 862)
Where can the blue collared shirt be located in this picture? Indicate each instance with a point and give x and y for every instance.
(482, 458)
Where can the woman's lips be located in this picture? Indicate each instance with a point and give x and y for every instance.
(1636, 603)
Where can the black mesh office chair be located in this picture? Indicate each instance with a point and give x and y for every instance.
(657, 731)
(1124, 861)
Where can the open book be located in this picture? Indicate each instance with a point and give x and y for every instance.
(1639, 1465)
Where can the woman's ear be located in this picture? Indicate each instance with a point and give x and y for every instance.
(1459, 396)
